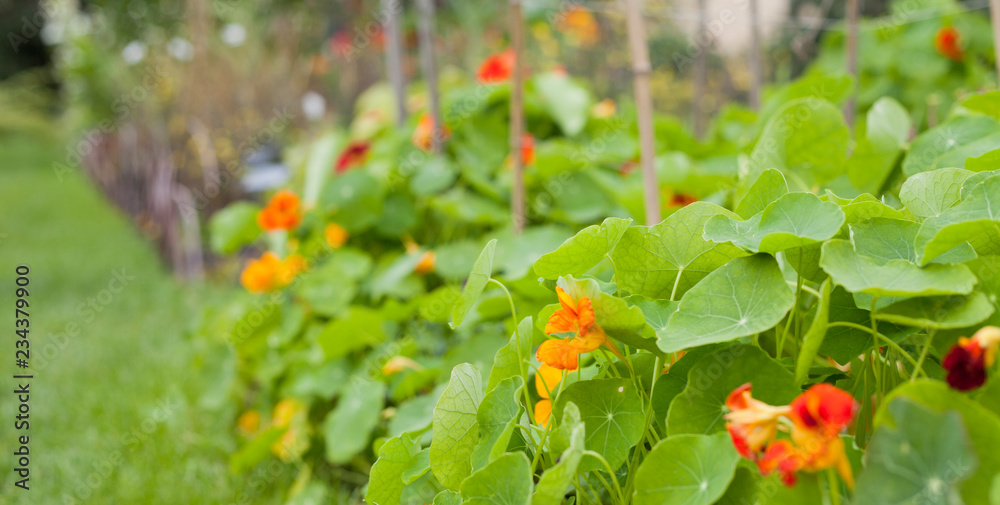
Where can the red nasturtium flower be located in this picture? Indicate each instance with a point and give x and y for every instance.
(283, 212)
(682, 199)
(577, 317)
(814, 420)
(423, 135)
(968, 360)
(353, 155)
(497, 68)
(948, 43)
(527, 149)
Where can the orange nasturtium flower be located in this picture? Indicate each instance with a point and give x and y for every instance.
(948, 43)
(426, 263)
(546, 381)
(968, 360)
(285, 411)
(270, 272)
(336, 236)
(604, 109)
(423, 135)
(580, 24)
(397, 364)
(574, 316)
(814, 420)
(353, 155)
(497, 67)
(249, 422)
(283, 212)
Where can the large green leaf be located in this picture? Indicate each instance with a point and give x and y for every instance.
(505, 481)
(887, 127)
(497, 415)
(566, 101)
(507, 361)
(769, 186)
(348, 427)
(552, 486)
(612, 411)
(977, 179)
(983, 427)
(928, 194)
(233, 227)
(700, 407)
(456, 427)
(355, 197)
(474, 286)
(885, 239)
(665, 260)
(976, 220)
(746, 296)
(583, 251)
(948, 144)
(395, 457)
(793, 220)
(359, 328)
(858, 273)
(807, 140)
(686, 470)
(939, 312)
(921, 460)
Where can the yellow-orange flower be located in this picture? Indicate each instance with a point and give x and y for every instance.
(261, 275)
(604, 109)
(426, 263)
(397, 364)
(546, 380)
(751, 422)
(423, 135)
(249, 422)
(573, 316)
(291, 267)
(282, 212)
(558, 353)
(579, 24)
(290, 445)
(285, 411)
(543, 412)
(336, 236)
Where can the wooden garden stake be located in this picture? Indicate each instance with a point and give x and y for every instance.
(995, 18)
(429, 69)
(852, 58)
(393, 56)
(517, 116)
(700, 72)
(756, 64)
(644, 105)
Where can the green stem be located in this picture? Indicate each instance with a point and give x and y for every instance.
(614, 268)
(834, 486)
(885, 340)
(677, 281)
(611, 473)
(919, 369)
(520, 354)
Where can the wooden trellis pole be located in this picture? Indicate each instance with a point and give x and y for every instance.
(517, 196)
(644, 104)
(393, 56)
(852, 59)
(756, 62)
(995, 18)
(700, 72)
(430, 70)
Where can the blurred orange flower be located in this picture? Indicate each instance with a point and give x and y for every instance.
(282, 212)
(543, 412)
(948, 43)
(285, 411)
(423, 135)
(249, 422)
(546, 380)
(336, 236)
(269, 272)
(751, 422)
(573, 316)
(580, 24)
(426, 263)
(604, 109)
(497, 67)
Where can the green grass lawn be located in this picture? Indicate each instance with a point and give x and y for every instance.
(117, 410)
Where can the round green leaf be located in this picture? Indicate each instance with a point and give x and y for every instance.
(456, 426)
(505, 481)
(583, 251)
(686, 470)
(613, 414)
(793, 220)
(348, 427)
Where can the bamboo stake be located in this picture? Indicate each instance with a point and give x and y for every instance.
(644, 105)
(756, 63)
(995, 18)
(430, 71)
(852, 58)
(393, 57)
(517, 116)
(700, 73)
